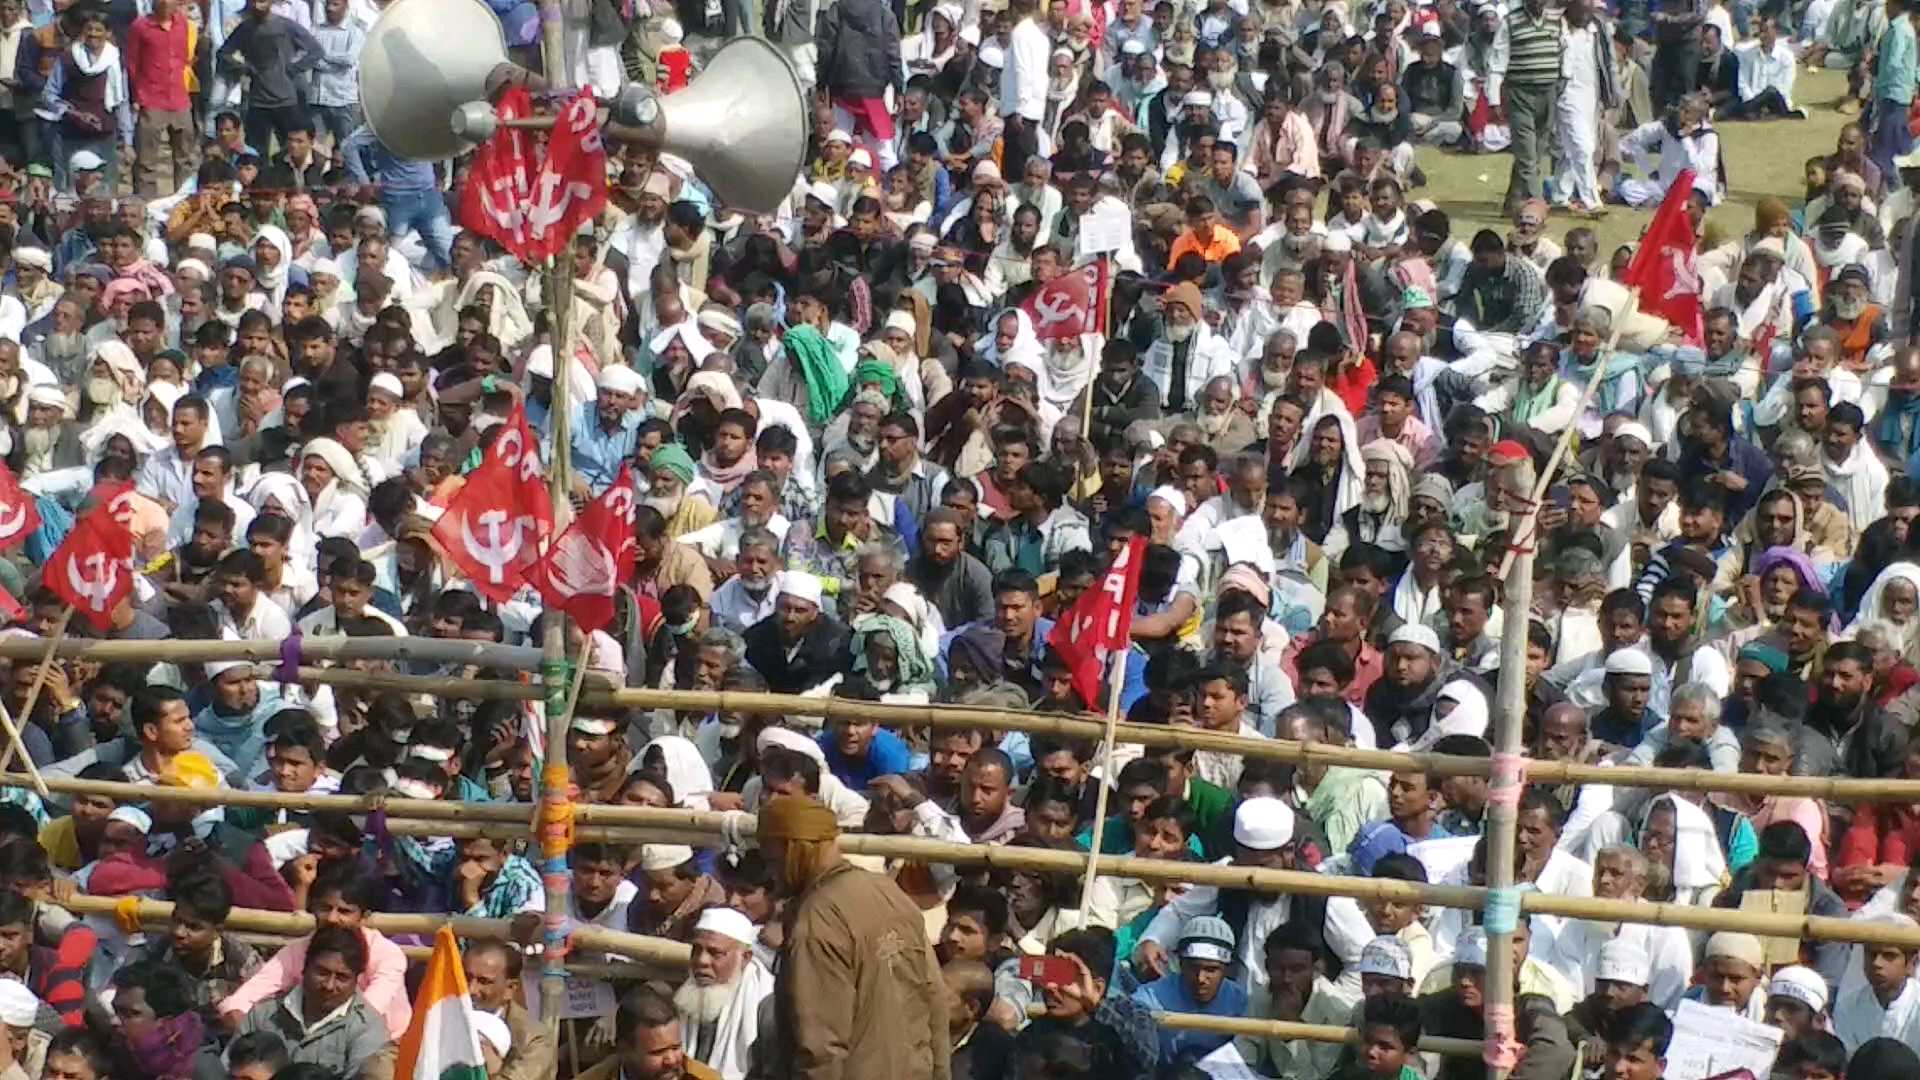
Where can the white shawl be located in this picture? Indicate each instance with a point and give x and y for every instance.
(1863, 480)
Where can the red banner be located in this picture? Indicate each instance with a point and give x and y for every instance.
(572, 184)
(493, 202)
(1066, 306)
(583, 570)
(1663, 269)
(92, 569)
(493, 527)
(1098, 624)
(19, 517)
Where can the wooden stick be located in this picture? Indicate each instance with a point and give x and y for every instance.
(33, 698)
(1109, 776)
(14, 742)
(335, 649)
(1288, 1029)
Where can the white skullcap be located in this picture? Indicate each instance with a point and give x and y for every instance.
(1263, 824)
(1415, 634)
(388, 383)
(33, 256)
(728, 923)
(823, 193)
(860, 157)
(1387, 955)
(992, 55)
(202, 242)
(134, 816)
(1337, 242)
(1471, 948)
(839, 136)
(196, 266)
(718, 321)
(1207, 937)
(593, 725)
(970, 35)
(540, 361)
(1624, 962)
(411, 789)
(1635, 430)
(1197, 98)
(1133, 47)
(1172, 496)
(801, 586)
(789, 739)
(621, 379)
(217, 668)
(438, 755)
(51, 397)
(1801, 984)
(922, 242)
(985, 169)
(18, 1007)
(664, 856)
(494, 1030)
(902, 321)
(1737, 946)
(371, 213)
(1629, 661)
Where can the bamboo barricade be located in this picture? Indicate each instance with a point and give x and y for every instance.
(656, 952)
(423, 953)
(1287, 1029)
(595, 692)
(639, 824)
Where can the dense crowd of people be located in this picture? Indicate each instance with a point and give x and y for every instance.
(866, 465)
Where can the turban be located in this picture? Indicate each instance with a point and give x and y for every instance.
(18, 1005)
(674, 458)
(34, 257)
(1771, 211)
(875, 370)
(809, 830)
(345, 469)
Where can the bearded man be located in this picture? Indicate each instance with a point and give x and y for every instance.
(64, 348)
(33, 284)
(1223, 426)
(1620, 873)
(51, 438)
(1386, 487)
(719, 1005)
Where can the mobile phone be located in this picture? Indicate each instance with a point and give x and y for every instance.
(1048, 970)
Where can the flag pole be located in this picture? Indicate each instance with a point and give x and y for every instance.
(1100, 327)
(33, 698)
(1117, 678)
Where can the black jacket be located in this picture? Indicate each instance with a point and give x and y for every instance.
(859, 49)
(823, 654)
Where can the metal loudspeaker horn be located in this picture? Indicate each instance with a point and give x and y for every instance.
(422, 60)
(742, 123)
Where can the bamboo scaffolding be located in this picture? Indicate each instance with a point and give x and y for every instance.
(607, 972)
(333, 649)
(659, 952)
(1288, 1029)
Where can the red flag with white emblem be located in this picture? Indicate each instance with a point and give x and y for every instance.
(571, 185)
(1065, 307)
(92, 569)
(1100, 622)
(19, 517)
(493, 527)
(593, 557)
(493, 200)
(1663, 269)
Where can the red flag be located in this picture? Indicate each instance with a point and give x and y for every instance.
(92, 569)
(493, 527)
(1099, 622)
(493, 202)
(1664, 269)
(1064, 307)
(572, 184)
(582, 571)
(19, 517)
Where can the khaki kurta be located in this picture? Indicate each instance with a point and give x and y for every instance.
(859, 992)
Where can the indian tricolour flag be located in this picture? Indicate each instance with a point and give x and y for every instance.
(441, 1043)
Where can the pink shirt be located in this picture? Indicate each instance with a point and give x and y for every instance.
(384, 984)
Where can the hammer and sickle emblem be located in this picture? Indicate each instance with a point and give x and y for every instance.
(502, 546)
(1686, 279)
(1057, 308)
(13, 517)
(96, 585)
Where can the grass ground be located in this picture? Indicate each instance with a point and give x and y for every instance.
(1763, 158)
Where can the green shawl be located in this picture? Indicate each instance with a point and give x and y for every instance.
(819, 365)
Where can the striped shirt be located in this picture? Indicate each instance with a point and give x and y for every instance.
(1533, 48)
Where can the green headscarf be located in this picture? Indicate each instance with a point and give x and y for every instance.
(820, 366)
(674, 458)
(871, 370)
(916, 670)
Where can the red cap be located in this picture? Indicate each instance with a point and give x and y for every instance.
(1507, 452)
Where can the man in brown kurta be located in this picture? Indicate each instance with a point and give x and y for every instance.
(858, 991)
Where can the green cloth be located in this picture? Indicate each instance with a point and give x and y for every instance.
(820, 366)
(916, 670)
(1527, 405)
(871, 370)
(1346, 799)
(674, 458)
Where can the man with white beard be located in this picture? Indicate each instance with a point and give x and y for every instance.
(748, 596)
(719, 1005)
(64, 349)
(392, 432)
(51, 438)
(1223, 426)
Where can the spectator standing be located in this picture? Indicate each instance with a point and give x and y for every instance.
(272, 51)
(85, 103)
(859, 42)
(1676, 53)
(160, 48)
(334, 93)
(1533, 75)
(409, 193)
(1895, 70)
(1023, 87)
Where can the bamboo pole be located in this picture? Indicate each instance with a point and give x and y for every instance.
(334, 649)
(650, 950)
(1117, 674)
(1288, 1029)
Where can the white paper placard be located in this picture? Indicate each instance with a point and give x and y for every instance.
(1106, 230)
(1709, 1040)
(1227, 1064)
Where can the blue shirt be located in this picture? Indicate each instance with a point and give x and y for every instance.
(369, 160)
(887, 755)
(598, 453)
(1169, 994)
(1895, 64)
